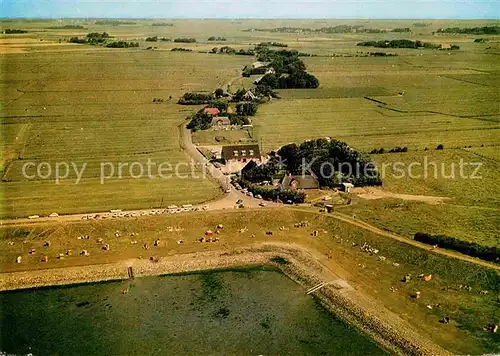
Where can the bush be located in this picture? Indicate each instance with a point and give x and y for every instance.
(185, 40)
(439, 147)
(152, 39)
(10, 31)
(467, 248)
(196, 98)
(274, 194)
(213, 38)
(122, 44)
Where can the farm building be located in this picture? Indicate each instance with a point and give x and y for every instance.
(259, 64)
(241, 153)
(250, 165)
(237, 157)
(221, 123)
(445, 46)
(347, 187)
(290, 182)
(211, 111)
(249, 96)
(258, 80)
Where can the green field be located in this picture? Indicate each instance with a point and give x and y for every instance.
(438, 174)
(65, 102)
(93, 108)
(471, 223)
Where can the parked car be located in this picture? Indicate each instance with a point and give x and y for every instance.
(239, 201)
(258, 196)
(262, 204)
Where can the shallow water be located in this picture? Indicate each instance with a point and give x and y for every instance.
(251, 312)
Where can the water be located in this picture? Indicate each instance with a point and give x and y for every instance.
(251, 312)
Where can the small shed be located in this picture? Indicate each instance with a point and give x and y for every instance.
(347, 187)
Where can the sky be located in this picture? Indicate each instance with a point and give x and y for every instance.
(319, 9)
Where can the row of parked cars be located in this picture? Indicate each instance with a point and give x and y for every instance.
(246, 192)
(171, 209)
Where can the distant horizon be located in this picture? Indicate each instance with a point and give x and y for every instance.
(250, 18)
(253, 9)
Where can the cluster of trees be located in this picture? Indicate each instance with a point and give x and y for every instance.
(160, 24)
(296, 79)
(272, 44)
(248, 71)
(332, 161)
(114, 22)
(398, 44)
(185, 40)
(481, 40)
(196, 98)
(485, 30)
(372, 30)
(420, 24)
(122, 44)
(67, 27)
(93, 38)
(260, 173)
(180, 49)
(213, 38)
(468, 248)
(247, 108)
(156, 39)
(401, 29)
(10, 31)
(231, 50)
(331, 29)
(201, 121)
(260, 92)
(392, 150)
(382, 54)
(290, 70)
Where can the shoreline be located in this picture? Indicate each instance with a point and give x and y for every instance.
(388, 330)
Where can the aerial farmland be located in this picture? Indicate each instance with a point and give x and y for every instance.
(108, 127)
